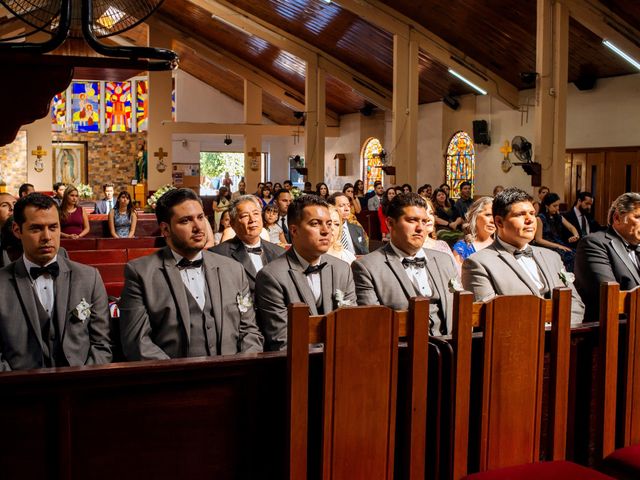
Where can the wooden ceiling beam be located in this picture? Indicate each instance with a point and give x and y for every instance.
(221, 57)
(239, 129)
(385, 17)
(606, 24)
(227, 12)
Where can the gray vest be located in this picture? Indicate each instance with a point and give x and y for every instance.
(52, 354)
(203, 335)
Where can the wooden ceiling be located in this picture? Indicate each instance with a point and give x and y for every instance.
(499, 35)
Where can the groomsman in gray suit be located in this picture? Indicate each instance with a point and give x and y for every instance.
(53, 312)
(403, 269)
(246, 247)
(183, 301)
(612, 255)
(510, 266)
(304, 274)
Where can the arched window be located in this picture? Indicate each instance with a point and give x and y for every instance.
(461, 160)
(371, 161)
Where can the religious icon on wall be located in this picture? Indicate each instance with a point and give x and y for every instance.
(85, 106)
(70, 163)
(141, 164)
(118, 106)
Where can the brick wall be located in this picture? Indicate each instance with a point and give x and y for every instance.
(13, 162)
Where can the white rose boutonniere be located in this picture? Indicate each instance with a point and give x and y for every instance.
(82, 311)
(455, 285)
(567, 277)
(244, 302)
(341, 301)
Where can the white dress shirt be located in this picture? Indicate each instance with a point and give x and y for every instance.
(255, 258)
(313, 279)
(44, 285)
(528, 264)
(418, 276)
(193, 279)
(632, 253)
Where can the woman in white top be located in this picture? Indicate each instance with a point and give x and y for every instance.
(336, 249)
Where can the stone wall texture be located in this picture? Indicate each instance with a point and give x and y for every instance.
(13, 163)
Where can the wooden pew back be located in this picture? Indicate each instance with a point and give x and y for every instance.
(513, 359)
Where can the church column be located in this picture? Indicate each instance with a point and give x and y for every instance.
(313, 161)
(321, 123)
(552, 47)
(159, 137)
(404, 138)
(39, 155)
(252, 141)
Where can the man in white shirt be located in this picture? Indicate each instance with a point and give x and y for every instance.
(511, 266)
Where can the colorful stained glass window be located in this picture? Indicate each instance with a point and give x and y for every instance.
(118, 106)
(142, 107)
(372, 164)
(59, 112)
(461, 159)
(85, 106)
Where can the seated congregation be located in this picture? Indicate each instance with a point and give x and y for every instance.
(190, 298)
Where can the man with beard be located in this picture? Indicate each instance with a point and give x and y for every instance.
(183, 301)
(580, 215)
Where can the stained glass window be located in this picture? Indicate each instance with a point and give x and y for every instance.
(85, 106)
(118, 106)
(372, 164)
(142, 107)
(461, 159)
(59, 112)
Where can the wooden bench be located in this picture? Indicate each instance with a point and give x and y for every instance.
(91, 257)
(138, 242)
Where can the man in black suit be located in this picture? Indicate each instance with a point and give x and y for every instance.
(353, 236)
(612, 255)
(580, 215)
(282, 199)
(247, 247)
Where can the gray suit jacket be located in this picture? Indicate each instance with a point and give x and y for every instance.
(283, 282)
(234, 248)
(154, 310)
(83, 342)
(602, 257)
(494, 271)
(101, 206)
(381, 280)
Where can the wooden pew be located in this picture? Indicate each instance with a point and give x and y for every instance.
(91, 257)
(133, 253)
(79, 244)
(111, 272)
(360, 375)
(138, 242)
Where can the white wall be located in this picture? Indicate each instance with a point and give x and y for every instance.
(198, 102)
(349, 144)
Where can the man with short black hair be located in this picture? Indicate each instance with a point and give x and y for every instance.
(53, 312)
(580, 215)
(611, 255)
(511, 266)
(58, 192)
(287, 185)
(374, 202)
(183, 301)
(25, 189)
(465, 201)
(403, 269)
(282, 199)
(105, 205)
(246, 247)
(304, 274)
(353, 236)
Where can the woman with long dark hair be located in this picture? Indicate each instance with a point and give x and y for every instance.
(322, 190)
(74, 221)
(549, 232)
(123, 217)
(389, 194)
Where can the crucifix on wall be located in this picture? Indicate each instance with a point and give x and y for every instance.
(254, 155)
(160, 154)
(38, 164)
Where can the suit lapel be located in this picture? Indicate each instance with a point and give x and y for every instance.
(240, 254)
(177, 288)
(547, 273)
(62, 295)
(621, 251)
(300, 281)
(438, 279)
(398, 270)
(326, 282)
(212, 275)
(28, 297)
(510, 260)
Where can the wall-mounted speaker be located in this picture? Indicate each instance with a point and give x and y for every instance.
(451, 102)
(481, 132)
(585, 82)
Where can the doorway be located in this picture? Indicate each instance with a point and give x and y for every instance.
(219, 169)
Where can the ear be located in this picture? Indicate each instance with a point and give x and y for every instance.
(498, 221)
(16, 230)
(391, 223)
(165, 230)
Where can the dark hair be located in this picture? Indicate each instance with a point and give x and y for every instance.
(130, 209)
(220, 228)
(502, 202)
(24, 187)
(107, 185)
(347, 186)
(582, 196)
(269, 208)
(307, 185)
(407, 186)
(37, 200)
(396, 207)
(384, 203)
(466, 183)
(265, 187)
(355, 187)
(548, 199)
(277, 185)
(434, 196)
(424, 188)
(57, 185)
(172, 198)
(279, 192)
(543, 188)
(65, 201)
(289, 182)
(319, 186)
(220, 195)
(296, 208)
(332, 198)
(376, 183)
(445, 185)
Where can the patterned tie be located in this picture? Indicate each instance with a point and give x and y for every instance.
(344, 241)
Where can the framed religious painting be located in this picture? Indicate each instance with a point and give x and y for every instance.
(70, 162)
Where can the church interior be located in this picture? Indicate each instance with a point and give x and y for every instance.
(330, 91)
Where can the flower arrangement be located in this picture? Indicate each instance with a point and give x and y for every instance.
(153, 199)
(85, 191)
(295, 192)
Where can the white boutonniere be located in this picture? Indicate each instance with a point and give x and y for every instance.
(82, 311)
(567, 277)
(455, 285)
(244, 302)
(341, 301)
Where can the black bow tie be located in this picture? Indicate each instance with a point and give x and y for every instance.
(256, 250)
(415, 262)
(528, 252)
(52, 269)
(314, 268)
(633, 248)
(184, 263)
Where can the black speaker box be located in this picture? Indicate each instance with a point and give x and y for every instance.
(585, 82)
(481, 132)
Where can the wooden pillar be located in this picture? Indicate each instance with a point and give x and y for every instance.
(404, 149)
(313, 162)
(158, 137)
(252, 141)
(552, 46)
(321, 123)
